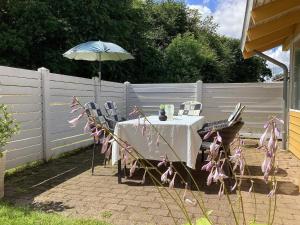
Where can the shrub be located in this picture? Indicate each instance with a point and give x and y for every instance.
(8, 127)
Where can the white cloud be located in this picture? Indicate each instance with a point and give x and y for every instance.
(279, 55)
(204, 10)
(229, 15)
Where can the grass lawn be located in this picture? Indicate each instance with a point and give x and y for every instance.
(11, 215)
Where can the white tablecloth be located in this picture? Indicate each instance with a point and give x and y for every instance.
(181, 134)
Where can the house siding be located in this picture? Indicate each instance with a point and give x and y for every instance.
(294, 132)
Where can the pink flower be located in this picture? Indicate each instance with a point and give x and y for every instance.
(279, 120)
(144, 177)
(87, 127)
(221, 190)
(74, 102)
(132, 169)
(171, 185)
(273, 191)
(190, 201)
(277, 132)
(266, 125)
(210, 178)
(207, 135)
(208, 166)
(126, 151)
(164, 161)
(105, 143)
(170, 169)
(164, 177)
(251, 187)
(186, 199)
(75, 109)
(219, 138)
(134, 111)
(242, 166)
(234, 186)
(97, 132)
(219, 174)
(108, 152)
(263, 137)
(75, 121)
(238, 160)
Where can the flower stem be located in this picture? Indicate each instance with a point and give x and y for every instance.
(202, 207)
(231, 206)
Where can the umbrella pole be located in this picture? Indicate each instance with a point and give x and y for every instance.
(99, 73)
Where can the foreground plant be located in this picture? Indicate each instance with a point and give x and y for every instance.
(216, 160)
(8, 127)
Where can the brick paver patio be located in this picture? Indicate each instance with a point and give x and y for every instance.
(66, 186)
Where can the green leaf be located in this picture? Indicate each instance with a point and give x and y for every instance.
(209, 212)
(255, 223)
(203, 221)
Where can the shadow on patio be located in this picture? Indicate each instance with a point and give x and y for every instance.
(65, 185)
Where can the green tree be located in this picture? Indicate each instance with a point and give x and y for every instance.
(188, 60)
(246, 70)
(35, 33)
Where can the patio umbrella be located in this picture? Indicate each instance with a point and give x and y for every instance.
(98, 51)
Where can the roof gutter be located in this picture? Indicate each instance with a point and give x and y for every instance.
(247, 18)
(285, 94)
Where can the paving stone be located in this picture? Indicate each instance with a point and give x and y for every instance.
(141, 217)
(155, 212)
(115, 207)
(130, 202)
(79, 194)
(153, 205)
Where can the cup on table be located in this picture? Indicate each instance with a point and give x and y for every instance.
(169, 109)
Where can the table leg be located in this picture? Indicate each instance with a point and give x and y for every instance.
(119, 172)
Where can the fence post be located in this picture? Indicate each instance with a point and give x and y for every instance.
(199, 89)
(45, 90)
(126, 98)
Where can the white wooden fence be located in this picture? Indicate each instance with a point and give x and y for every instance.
(39, 101)
(261, 100)
(150, 96)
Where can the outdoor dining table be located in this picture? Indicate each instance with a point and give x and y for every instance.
(180, 133)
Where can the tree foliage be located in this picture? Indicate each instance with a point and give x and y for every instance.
(170, 42)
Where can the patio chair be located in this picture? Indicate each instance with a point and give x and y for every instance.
(93, 110)
(190, 108)
(112, 112)
(227, 129)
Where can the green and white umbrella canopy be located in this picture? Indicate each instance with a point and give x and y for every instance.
(98, 51)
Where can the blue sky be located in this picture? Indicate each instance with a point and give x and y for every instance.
(229, 15)
(212, 4)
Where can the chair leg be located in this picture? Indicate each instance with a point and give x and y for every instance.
(93, 158)
(119, 172)
(125, 175)
(104, 162)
